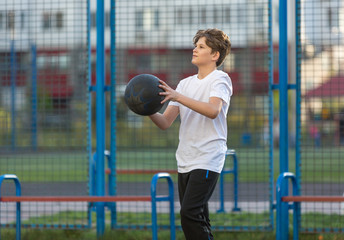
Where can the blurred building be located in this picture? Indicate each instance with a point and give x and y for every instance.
(156, 37)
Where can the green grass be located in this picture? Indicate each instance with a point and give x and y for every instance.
(125, 235)
(46, 167)
(242, 219)
(309, 219)
(321, 165)
(34, 234)
(144, 218)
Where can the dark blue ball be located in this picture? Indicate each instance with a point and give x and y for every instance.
(142, 94)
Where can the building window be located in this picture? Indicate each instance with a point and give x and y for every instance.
(46, 20)
(333, 18)
(217, 14)
(156, 19)
(22, 20)
(11, 20)
(1, 20)
(59, 20)
(227, 15)
(240, 15)
(147, 19)
(179, 16)
(203, 15)
(139, 19)
(107, 19)
(184, 16)
(93, 20)
(190, 16)
(259, 18)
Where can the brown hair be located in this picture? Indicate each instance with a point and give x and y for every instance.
(217, 40)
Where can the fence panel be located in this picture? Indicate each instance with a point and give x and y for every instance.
(320, 58)
(155, 37)
(44, 106)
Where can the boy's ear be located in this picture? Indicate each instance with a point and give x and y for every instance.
(216, 55)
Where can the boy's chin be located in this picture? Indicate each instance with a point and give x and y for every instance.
(194, 63)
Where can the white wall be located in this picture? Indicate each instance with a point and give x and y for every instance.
(31, 31)
(244, 26)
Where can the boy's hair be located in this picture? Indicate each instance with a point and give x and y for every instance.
(217, 40)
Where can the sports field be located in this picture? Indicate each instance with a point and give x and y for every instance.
(73, 166)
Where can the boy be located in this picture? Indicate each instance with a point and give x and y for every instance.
(202, 101)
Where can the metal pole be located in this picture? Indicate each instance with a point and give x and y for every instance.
(13, 92)
(298, 95)
(235, 183)
(100, 113)
(34, 96)
(297, 214)
(283, 86)
(113, 179)
(283, 102)
(271, 113)
(91, 160)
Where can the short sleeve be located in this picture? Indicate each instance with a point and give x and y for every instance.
(222, 88)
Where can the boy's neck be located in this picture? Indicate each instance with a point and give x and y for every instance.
(205, 71)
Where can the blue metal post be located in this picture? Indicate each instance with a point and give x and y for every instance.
(156, 199)
(222, 194)
(298, 95)
(100, 113)
(89, 123)
(271, 115)
(91, 185)
(13, 92)
(282, 208)
(283, 104)
(234, 171)
(283, 85)
(18, 193)
(113, 117)
(297, 211)
(235, 183)
(34, 96)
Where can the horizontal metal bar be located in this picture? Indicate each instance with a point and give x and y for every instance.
(48, 226)
(107, 88)
(313, 199)
(228, 171)
(143, 171)
(162, 198)
(291, 86)
(93, 88)
(274, 86)
(76, 199)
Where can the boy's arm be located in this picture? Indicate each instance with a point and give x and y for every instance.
(209, 109)
(165, 120)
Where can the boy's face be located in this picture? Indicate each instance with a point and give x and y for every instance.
(202, 55)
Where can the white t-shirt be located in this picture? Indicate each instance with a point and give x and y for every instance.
(202, 140)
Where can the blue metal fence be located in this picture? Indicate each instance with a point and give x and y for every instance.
(149, 38)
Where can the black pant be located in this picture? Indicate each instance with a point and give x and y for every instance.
(195, 189)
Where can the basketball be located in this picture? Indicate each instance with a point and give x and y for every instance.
(142, 94)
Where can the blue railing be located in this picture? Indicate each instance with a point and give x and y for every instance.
(282, 208)
(234, 171)
(18, 193)
(154, 199)
(112, 206)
